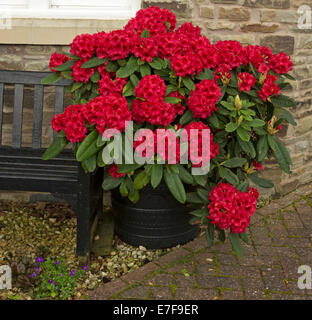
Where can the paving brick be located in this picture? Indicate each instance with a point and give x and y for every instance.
(195, 294)
(158, 293)
(182, 281)
(220, 282)
(161, 279)
(232, 295)
(140, 292)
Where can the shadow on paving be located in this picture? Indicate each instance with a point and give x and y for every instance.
(280, 241)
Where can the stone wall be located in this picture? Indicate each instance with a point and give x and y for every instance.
(266, 22)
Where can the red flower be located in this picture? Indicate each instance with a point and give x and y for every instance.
(246, 81)
(230, 208)
(81, 74)
(198, 154)
(109, 86)
(84, 46)
(108, 112)
(151, 88)
(269, 88)
(72, 121)
(257, 165)
(56, 60)
(146, 49)
(114, 173)
(280, 63)
(203, 99)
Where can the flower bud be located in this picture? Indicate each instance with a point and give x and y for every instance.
(240, 119)
(262, 78)
(238, 102)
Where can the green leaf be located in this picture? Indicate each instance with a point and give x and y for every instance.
(262, 148)
(141, 180)
(76, 85)
(234, 162)
(145, 34)
(193, 197)
(221, 236)
(112, 66)
(123, 188)
(95, 77)
(99, 160)
(87, 147)
(128, 69)
(236, 245)
(66, 75)
(244, 237)
(247, 147)
(188, 82)
(145, 70)
(173, 100)
(134, 195)
(228, 175)
(272, 142)
(231, 126)
(282, 156)
(260, 182)
(243, 134)
(100, 141)
(94, 62)
(285, 114)
(203, 194)
(185, 176)
(186, 118)
(51, 78)
(65, 66)
(110, 183)
(201, 180)
(156, 175)
(206, 74)
(256, 123)
(175, 185)
(56, 147)
(283, 101)
(210, 234)
(156, 64)
(243, 187)
(128, 89)
(214, 121)
(127, 168)
(89, 164)
(134, 80)
(288, 76)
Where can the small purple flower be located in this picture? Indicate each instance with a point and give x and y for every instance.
(84, 268)
(37, 269)
(72, 273)
(55, 283)
(30, 276)
(50, 281)
(40, 260)
(61, 275)
(35, 275)
(57, 263)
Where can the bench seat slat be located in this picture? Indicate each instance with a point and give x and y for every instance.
(1, 109)
(17, 115)
(37, 117)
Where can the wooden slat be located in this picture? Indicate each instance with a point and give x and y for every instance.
(37, 117)
(59, 103)
(1, 108)
(17, 115)
(28, 77)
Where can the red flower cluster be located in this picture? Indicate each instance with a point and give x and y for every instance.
(83, 46)
(108, 86)
(56, 60)
(108, 112)
(203, 99)
(257, 165)
(246, 81)
(280, 63)
(81, 74)
(72, 121)
(114, 45)
(150, 106)
(269, 88)
(230, 208)
(155, 20)
(145, 48)
(179, 108)
(196, 155)
(114, 173)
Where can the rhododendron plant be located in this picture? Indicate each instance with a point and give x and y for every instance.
(163, 77)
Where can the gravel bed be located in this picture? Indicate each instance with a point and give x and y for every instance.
(31, 230)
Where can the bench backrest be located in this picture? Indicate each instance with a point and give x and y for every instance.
(19, 79)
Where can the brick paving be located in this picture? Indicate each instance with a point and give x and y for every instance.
(280, 240)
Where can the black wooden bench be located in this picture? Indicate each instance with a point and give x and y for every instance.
(22, 169)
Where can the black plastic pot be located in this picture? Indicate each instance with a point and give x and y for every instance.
(156, 221)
